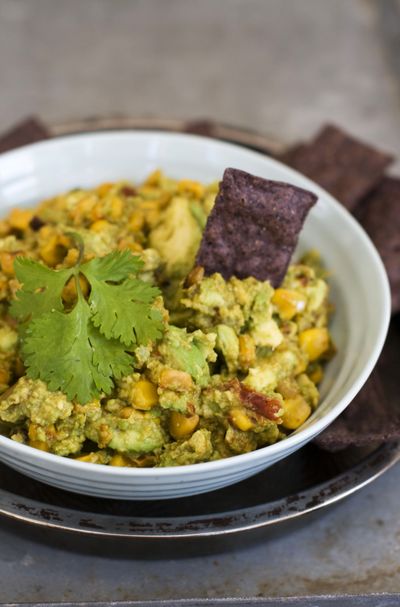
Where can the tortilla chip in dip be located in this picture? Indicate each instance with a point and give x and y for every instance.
(254, 227)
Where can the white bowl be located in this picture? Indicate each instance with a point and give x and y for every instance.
(359, 285)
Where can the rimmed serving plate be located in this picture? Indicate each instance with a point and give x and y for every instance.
(308, 480)
(289, 490)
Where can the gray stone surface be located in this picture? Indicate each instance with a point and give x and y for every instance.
(351, 548)
(283, 67)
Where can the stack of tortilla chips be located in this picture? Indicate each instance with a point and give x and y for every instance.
(354, 173)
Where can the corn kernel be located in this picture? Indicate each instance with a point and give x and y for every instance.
(45, 231)
(125, 412)
(144, 395)
(119, 460)
(135, 247)
(150, 193)
(83, 209)
(99, 226)
(71, 257)
(4, 228)
(69, 293)
(116, 207)
(136, 221)
(65, 241)
(314, 342)
(105, 435)
(181, 426)
(104, 188)
(38, 444)
(288, 302)
(32, 432)
(7, 263)
(97, 211)
(90, 458)
(295, 412)
(53, 252)
(19, 219)
(191, 187)
(240, 419)
(175, 380)
(247, 351)
(316, 375)
(154, 178)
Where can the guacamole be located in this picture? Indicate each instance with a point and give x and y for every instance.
(238, 362)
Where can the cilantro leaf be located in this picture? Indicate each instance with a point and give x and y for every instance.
(83, 350)
(70, 355)
(109, 356)
(122, 311)
(115, 266)
(148, 326)
(42, 288)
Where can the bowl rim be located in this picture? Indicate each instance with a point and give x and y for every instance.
(294, 440)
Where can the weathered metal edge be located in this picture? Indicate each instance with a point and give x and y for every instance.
(344, 600)
(217, 524)
(210, 128)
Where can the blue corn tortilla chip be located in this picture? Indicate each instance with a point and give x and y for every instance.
(347, 168)
(373, 416)
(27, 131)
(379, 214)
(253, 228)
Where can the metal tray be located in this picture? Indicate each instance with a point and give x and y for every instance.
(308, 480)
(304, 482)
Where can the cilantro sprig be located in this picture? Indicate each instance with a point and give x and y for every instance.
(82, 350)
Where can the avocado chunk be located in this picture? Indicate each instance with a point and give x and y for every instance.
(228, 344)
(189, 352)
(198, 448)
(139, 433)
(177, 237)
